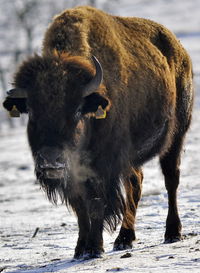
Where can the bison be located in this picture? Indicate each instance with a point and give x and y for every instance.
(107, 94)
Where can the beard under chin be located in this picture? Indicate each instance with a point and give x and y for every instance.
(53, 187)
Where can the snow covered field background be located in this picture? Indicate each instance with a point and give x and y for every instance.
(24, 207)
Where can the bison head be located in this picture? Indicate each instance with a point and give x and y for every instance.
(61, 95)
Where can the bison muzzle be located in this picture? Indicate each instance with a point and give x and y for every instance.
(50, 162)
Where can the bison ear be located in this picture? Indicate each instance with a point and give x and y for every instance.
(96, 105)
(15, 103)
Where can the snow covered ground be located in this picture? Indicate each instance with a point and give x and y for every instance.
(24, 207)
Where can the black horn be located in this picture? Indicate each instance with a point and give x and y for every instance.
(97, 79)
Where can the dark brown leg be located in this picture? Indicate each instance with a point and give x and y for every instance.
(90, 214)
(94, 248)
(170, 163)
(84, 228)
(133, 192)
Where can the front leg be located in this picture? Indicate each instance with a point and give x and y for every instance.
(94, 247)
(84, 228)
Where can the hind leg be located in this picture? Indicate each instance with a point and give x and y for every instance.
(133, 193)
(170, 163)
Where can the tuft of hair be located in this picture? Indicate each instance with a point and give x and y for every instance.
(77, 61)
(57, 65)
(52, 187)
(116, 207)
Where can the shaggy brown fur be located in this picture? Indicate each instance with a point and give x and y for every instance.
(147, 94)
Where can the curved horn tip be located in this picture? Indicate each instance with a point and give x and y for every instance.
(94, 58)
(97, 64)
(94, 84)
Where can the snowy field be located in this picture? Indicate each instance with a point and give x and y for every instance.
(25, 209)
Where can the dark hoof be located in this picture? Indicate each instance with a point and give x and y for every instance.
(173, 240)
(122, 246)
(93, 254)
(124, 239)
(88, 254)
(77, 258)
(79, 253)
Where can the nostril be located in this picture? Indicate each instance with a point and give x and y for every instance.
(59, 159)
(49, 154)
(50, 157)
(41, 156)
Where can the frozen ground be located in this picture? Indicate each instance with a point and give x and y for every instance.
(24, 207)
